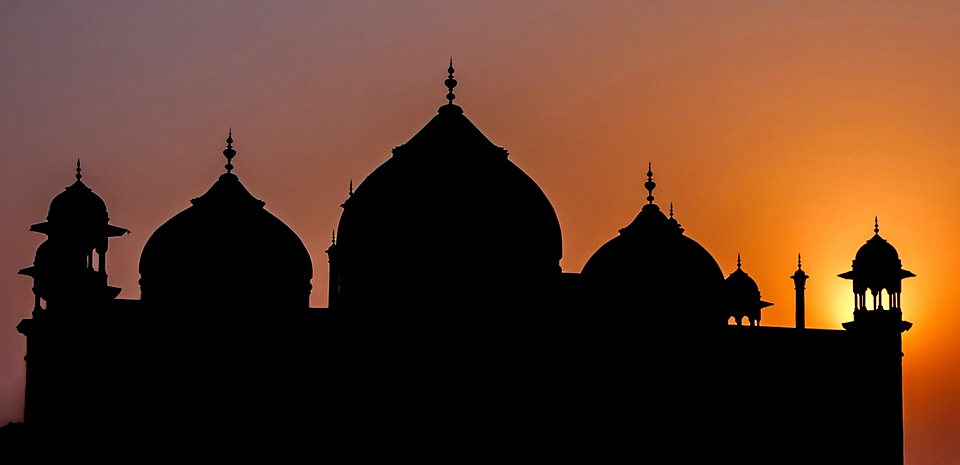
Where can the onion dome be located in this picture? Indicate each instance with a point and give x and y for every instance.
(447, 221)
(877, 266)
(652, 266)
(743, 296)
(226, 251)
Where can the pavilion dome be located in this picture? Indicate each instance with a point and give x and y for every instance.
(877, 266)
(78, 219)
(877, 252)
(226, 250)
(652, 266)
(741, 286)
(78, 204)
(743, 296)
(448, 220)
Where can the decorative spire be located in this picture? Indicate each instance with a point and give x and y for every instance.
(229, 152)
(450, 83)
(876, 225)
(649, 185)
(78, 170)
(738, 260)
(350, 191)
(333, 238)
(671, 210)
(799, 266)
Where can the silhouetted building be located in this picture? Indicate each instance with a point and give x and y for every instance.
(628, 359)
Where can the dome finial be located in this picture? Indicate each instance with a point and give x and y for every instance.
(671, 210)
(650, 185)
(450, 83)
(229, 152)
(799, 266)
(333, 238)
(876, 225)
(78, 170)
(738, 260)
(350, 191)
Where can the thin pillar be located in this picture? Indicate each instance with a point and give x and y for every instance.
(799, 279)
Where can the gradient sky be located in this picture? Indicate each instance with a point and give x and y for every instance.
(775, 128)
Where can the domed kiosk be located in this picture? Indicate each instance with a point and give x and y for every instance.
(653, 267)
(877, 268)
(226, 251)
(743, 297)
(447, 222)
(77, 230)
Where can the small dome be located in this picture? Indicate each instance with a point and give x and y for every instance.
(878, 252)
(653, 266)
(226, 250)
(741, 286)
(77, 205)
(743, 296)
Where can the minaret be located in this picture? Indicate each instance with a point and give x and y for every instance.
(878, 363)
(799, 279)
(73, 286)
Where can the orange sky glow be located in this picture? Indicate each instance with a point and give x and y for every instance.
(775, 128)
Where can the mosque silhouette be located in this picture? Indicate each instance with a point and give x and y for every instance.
(451, 332)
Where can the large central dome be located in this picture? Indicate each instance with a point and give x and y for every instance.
(448, 221)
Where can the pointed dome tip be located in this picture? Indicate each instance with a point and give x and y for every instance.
(229, 152)
(450, 82)
(649, 185)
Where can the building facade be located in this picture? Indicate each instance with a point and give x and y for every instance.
(479, 345)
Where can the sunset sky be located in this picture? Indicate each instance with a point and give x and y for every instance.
(775, 128)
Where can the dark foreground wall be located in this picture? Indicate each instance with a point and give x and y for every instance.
(572, 385)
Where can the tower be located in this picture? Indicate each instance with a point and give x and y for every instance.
(70, 276)
(879, 401)
(799, 280)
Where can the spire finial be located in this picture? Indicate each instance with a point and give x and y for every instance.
(671, 210)
(78, 170)
(229, 152)
(876, 225)
(649, 185)
(350, 191)
(333, 238)
(799, 266)
(738, 260)
(450, 83)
